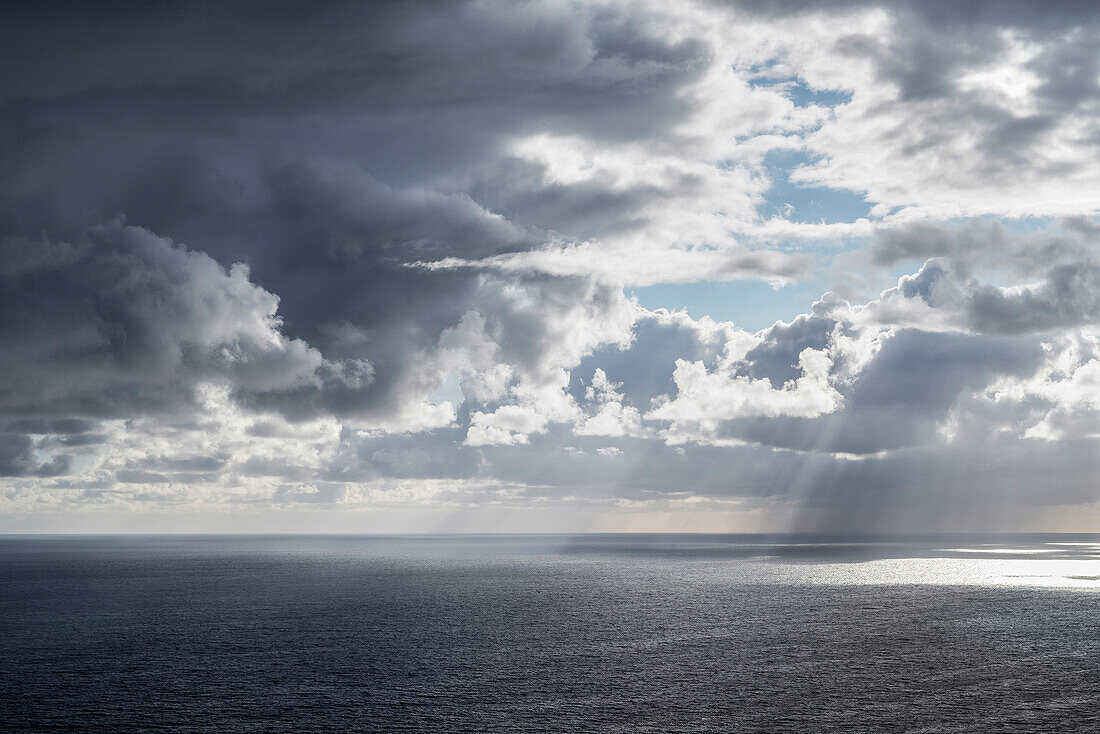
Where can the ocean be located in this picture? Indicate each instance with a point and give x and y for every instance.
(586, 633)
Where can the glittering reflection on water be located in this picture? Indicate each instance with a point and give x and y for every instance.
(1017, 560)
(1034, 562)
(955, 572)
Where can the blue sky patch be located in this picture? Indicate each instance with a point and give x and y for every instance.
(807, 204)
(751, 304)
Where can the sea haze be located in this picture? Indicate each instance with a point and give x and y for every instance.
(589, 633)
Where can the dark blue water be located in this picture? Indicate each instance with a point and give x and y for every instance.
(559, 634)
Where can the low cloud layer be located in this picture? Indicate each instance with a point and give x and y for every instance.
(391, 260)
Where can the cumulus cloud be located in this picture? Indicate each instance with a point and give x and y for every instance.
(705, 399)
(943, 294)
(508, 425)
(610, 417)
(125, 321)
(17, 458)
(395, 271)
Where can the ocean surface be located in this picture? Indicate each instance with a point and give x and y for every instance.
(591, 633)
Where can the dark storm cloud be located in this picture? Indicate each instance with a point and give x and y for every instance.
(199, 93)
(404, 54)
(17, 458)
(322, 148)
(75, 435)
(67, 426)
(124, 321)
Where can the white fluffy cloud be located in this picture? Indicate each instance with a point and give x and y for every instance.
(705, 399)
(611, 417)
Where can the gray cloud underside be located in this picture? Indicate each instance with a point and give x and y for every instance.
(243, 247)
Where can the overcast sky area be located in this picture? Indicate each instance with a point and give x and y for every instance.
(478, 266)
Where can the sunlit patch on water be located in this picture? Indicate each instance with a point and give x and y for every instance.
(1055, 565)
(977, 571)
(1005, 551)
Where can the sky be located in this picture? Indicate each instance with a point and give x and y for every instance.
(550, 266)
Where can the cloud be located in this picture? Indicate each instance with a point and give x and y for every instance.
(391, 273)
(705, 399)
(507, 426)
(130, 322)
(17, 458)
(610, 417)
(953, 113)
(942, 294)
